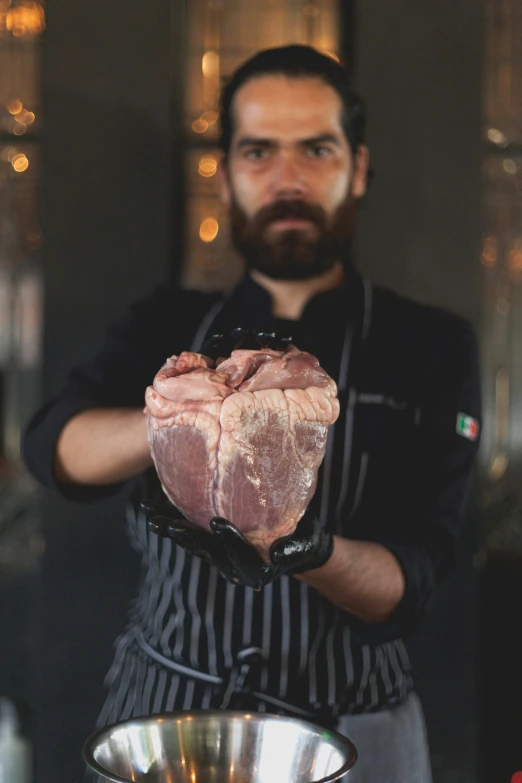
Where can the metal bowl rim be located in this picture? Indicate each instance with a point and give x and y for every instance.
(340, 739)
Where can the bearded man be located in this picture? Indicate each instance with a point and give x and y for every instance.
(322, 639)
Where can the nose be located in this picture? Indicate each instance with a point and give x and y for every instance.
(289, 180)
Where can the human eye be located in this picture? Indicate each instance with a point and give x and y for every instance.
(318, 151)
(256, 153)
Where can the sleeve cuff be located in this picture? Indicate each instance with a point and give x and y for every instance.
(38, 452)
(419, 578)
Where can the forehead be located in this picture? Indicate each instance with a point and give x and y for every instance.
(280, 106)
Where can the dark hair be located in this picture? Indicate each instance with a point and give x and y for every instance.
(296, 62)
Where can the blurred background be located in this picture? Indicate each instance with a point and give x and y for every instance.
(107, 186)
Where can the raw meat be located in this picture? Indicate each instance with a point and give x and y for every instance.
(241, 438)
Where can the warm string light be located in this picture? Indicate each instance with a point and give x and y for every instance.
(208, 229)
(25, 18)
(20, 162)
(199, 125)
(490, 258)
(207, 166)
(14, 107)
(204, 121)
(210, 66)
(497, 137)
(21, 117)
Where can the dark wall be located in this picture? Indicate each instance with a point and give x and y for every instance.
(108, 211)
(108, 171)
(418, 65)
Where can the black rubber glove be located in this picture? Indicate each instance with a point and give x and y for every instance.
(225, 548)
(222, 345)
(308, 547)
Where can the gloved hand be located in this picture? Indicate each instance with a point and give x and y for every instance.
(225, 548)
(249, 338)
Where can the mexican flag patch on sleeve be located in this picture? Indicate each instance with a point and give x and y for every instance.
(467, 426)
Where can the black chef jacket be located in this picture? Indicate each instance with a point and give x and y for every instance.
(397, 470)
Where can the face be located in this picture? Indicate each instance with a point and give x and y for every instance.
(290, 180)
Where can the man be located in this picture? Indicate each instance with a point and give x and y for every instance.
(391, 491)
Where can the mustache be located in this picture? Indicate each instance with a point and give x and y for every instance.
(290, 208)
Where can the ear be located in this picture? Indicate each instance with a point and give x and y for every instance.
(361, 163)
(224, 185)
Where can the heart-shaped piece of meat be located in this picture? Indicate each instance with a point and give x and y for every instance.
(241, 439)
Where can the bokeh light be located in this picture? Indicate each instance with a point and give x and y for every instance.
(208, 229)
(15, 106)
(210, 64)
(207, 166)
(20, 162)
(199, 126)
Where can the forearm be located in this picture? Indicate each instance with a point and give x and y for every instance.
(360, 577)
(102, 446)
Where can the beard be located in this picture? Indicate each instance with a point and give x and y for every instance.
(293, 254)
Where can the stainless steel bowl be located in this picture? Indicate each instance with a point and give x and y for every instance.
(204, 746)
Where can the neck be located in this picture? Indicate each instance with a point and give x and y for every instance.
(290, 297)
